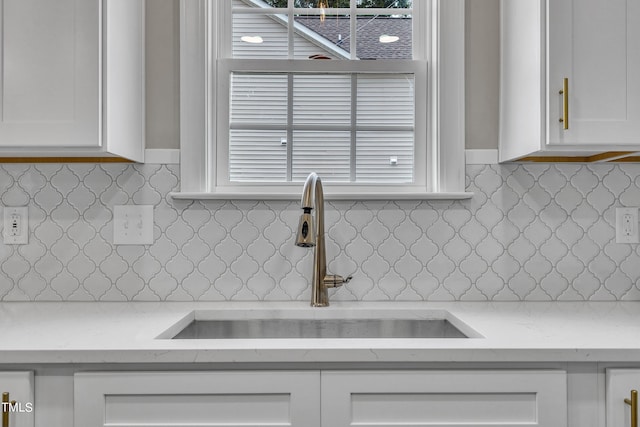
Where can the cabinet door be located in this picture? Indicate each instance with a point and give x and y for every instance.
(444, 398)
(203, 399)
(620, 382)
(596, 45)
(49, 73)
(19, 385)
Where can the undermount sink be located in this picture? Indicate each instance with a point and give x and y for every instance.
(322, 328)
(200, 326)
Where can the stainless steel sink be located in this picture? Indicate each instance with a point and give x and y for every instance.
(319, 328)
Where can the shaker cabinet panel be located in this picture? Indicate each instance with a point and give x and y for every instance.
(72, 78)
(596, 46)
(17, 399)
(444, 398)
(49, 67)
(221, 399)
(619, 387)
(570, 79)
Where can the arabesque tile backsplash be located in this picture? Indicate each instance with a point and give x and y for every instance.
(531, 232)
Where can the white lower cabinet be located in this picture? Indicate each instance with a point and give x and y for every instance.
(444, 398)
(418, 398)
(620, 384)
(17, 399)
(203, 399)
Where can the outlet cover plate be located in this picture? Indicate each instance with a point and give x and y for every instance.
(16, 225)
(627, 225)
(133, 225)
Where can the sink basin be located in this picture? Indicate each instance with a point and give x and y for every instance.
(319, 328)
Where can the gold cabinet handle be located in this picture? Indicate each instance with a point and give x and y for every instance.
(5, 409)
(565, 103)
(633, 402)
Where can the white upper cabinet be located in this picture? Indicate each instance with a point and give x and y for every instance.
(570, 78)
(72, 78)
(49, 73)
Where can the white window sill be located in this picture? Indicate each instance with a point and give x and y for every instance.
(328, 196)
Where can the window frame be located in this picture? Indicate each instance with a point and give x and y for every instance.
(445, 142)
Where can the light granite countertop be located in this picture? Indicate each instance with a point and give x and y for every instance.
(69, 332)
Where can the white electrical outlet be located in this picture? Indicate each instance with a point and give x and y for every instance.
(627, 225)
(16, 225)
(133, 225)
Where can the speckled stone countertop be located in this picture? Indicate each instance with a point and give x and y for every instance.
(500, 332)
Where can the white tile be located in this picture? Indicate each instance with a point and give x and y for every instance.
(531, 232)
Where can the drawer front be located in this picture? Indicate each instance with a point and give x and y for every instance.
(220, 399)
(444, 398)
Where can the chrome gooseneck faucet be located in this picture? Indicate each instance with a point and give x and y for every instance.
(308, 236)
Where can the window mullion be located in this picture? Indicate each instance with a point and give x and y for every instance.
(354, 119)
(290, 29)
(353, 20)
(290, 54)
(290, 44)
(289, 127)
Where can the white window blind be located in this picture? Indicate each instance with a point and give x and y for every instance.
(345, 127)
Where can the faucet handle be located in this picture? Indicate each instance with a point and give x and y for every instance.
(335, 280)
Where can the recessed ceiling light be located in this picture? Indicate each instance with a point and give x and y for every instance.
(388, 39)
(252, 39)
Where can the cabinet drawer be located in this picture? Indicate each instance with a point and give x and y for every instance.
(444, 398)
(203, 399)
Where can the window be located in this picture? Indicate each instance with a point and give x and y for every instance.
(273, 90)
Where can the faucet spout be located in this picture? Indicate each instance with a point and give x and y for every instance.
(308, 236)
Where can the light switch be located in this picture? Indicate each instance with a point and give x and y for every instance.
(16, 225)
(133, 225)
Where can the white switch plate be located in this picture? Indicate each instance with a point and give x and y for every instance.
(133, 225)
(16, 225)
(627, 225)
